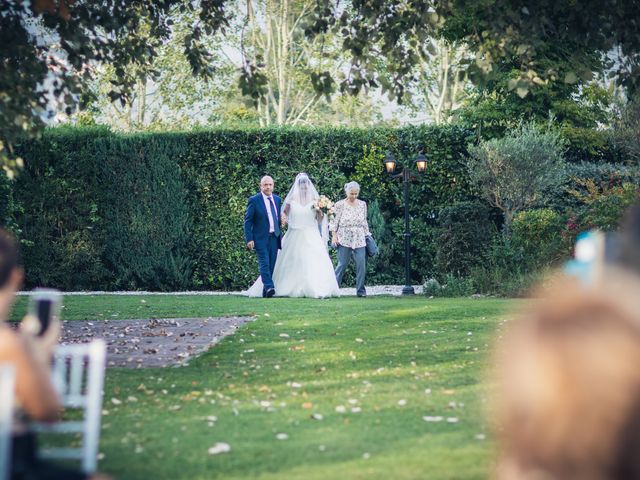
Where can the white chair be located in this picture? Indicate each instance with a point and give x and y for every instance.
(7, 394)
(78, 376)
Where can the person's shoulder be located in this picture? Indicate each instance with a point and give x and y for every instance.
(277, 197)
(254, 197)
(10, 342)
(340, 202)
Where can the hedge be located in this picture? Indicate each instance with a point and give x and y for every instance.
(96, 210)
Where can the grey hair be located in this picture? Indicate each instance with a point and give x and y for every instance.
(351, 186)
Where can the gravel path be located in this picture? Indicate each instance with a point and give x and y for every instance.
(155, 342)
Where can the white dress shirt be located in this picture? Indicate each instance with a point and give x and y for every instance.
(267, 204)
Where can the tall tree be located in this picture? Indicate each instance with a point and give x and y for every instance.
(497, 30)
(441, 85)
(273, 38)
(171, 98)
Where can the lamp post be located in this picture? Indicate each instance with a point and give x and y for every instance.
(390, 166)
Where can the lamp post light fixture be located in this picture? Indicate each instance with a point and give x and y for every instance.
(390, 166)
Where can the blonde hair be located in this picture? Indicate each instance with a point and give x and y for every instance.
(569, 389)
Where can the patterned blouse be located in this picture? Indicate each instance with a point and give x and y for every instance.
(350, 224)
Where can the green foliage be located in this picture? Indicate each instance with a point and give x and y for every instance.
(588, 144)
(376, 219)
(99, 210)
(497, 31)
(603, 205)
(466, 231)
(85, 33)
(368, 172)
(452, 286)
(519, 170)
(504, 271)
(431, 288)
(455, 286)
(536, 234)
(144, 212)
(626, 131)
(494, 107)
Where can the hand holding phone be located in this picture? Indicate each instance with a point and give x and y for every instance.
(44, 305)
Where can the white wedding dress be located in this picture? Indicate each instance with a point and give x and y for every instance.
(303, 267)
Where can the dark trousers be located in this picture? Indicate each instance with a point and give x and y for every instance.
(360, 256)
(267, 254)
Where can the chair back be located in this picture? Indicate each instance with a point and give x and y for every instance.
(78, 376)
(7, 394)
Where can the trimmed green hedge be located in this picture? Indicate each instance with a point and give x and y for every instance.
(97, 210)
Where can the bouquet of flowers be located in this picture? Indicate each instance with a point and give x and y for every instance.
(324, 206)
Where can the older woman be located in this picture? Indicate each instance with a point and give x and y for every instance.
(349, 229)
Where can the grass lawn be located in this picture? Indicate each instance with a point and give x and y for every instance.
(385, 362)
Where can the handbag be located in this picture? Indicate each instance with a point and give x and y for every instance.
(372, 246)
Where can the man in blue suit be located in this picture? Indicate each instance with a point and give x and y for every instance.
(262, 231)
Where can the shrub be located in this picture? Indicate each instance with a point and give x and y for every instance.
(431, 288)
(517, 171)
(466, 231)
(455, 286)
(537, 234)
(602, 206)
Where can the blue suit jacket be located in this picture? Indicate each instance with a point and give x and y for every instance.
(256, 220)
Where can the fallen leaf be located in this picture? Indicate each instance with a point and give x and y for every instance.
(432, 419)
(282, 436)
(219, 447)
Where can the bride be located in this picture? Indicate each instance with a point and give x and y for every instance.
(303, 267)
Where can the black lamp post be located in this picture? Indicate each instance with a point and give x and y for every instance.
(390, 166)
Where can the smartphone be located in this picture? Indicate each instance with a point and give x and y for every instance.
(44, 304)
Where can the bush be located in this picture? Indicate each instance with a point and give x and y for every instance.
(432, 288)
(465, 234)
(504, 271)
(453, 286)
(536, 233)
(519, 170)
(602, 206)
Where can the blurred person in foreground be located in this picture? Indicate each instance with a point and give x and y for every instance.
(568, 384)
(30, 356)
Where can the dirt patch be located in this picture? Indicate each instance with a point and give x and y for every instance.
(155, 342)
